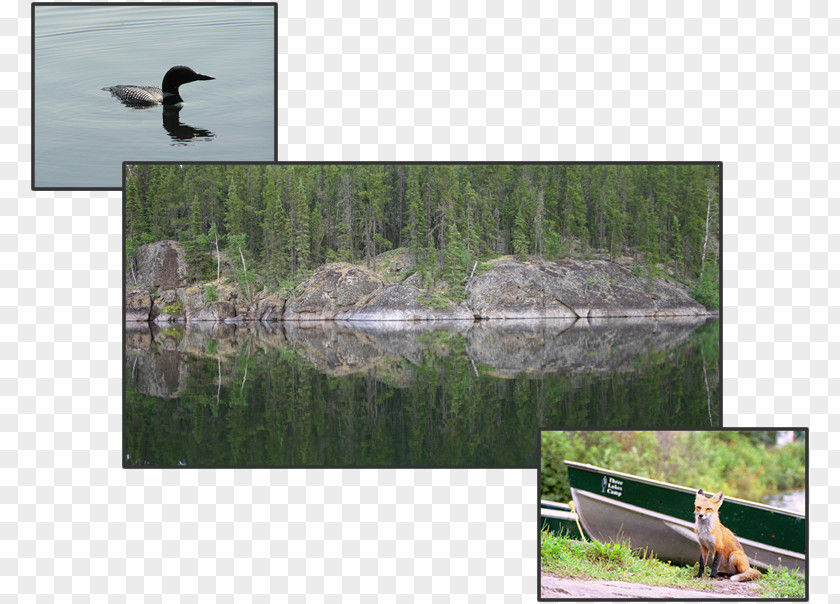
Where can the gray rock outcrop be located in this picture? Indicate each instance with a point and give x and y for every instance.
(271, 307)
(168, 307)
(223, 307)
(160, 265)
(404, 303)
(517, 290)
(221, 310)
(331, 291)
(138, 306)
(574, 288)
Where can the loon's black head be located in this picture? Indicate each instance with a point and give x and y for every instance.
(180, 74)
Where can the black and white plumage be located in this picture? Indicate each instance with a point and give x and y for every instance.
(166, 94)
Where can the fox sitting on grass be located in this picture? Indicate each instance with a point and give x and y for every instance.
(729, 558)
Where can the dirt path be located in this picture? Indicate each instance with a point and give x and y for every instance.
(555, 587)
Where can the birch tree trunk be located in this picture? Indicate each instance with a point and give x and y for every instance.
(709, 189)
(218, 258)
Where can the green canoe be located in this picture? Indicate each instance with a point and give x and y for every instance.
(659, 517)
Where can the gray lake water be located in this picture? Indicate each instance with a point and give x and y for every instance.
(82, 134)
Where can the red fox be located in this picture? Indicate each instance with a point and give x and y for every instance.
(729, 558)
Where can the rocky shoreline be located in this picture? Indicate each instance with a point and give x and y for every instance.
(158, 291)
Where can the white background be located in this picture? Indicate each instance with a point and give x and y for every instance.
(747, 83)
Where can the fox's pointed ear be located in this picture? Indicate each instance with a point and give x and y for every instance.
(718, 497)
(700, 492)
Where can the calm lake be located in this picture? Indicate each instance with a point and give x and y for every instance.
(440, 394)
(82, 135)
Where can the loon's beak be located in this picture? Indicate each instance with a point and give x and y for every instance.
(201, 76)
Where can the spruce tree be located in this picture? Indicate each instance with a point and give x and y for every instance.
(235, 217)
(520, 237)
(300, 229)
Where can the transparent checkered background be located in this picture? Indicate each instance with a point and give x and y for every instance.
(748, 83)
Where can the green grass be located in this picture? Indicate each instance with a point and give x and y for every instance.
(565, 557)
(174, 309)
(776, 583)
(782, 583)
(434, 300)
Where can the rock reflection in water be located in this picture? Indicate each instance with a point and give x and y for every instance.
(493, 383)
(503, 348)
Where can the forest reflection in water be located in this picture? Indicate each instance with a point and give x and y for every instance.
(388, 394)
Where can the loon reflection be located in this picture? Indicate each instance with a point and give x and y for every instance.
(181, 133)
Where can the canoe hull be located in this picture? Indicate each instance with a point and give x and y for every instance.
(658, 517)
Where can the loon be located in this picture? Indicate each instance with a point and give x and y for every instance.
(166, 94)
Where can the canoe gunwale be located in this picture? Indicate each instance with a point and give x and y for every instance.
(677, 487)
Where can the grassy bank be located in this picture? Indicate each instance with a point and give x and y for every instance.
(564, 557)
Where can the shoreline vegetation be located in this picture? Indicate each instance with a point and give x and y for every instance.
(747, 465)
(236, 243)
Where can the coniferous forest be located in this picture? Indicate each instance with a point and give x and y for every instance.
(286, 220)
